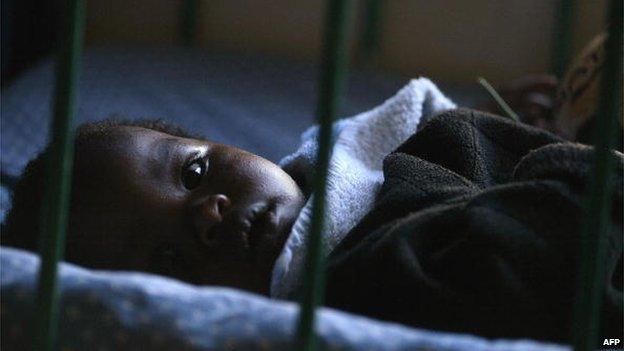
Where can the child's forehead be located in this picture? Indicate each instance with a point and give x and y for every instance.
(132, 143)
(136, 136)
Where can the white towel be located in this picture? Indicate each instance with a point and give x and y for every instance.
(355, 172)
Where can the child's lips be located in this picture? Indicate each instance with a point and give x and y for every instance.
(259, 225)
(250, 231)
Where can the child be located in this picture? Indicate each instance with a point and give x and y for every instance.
(149, 197)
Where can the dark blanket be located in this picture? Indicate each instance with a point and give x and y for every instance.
(477, 230)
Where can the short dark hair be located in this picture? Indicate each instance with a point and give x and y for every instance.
(21, 230)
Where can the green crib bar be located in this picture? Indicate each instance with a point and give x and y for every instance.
(333, 71)
(562, 36)
(188, 22)
(370, 36)
(598, 201)
(57, 194)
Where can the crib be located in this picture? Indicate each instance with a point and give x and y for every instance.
(338, 15)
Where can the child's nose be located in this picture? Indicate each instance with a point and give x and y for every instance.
(209, 212)
(214, 207)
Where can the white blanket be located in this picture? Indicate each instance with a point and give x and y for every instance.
(355, 172)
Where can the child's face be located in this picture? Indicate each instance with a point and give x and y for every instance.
(196, 210)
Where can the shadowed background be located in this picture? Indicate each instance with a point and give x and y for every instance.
(450, 40)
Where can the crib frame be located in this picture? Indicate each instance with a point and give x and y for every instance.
(333, 70)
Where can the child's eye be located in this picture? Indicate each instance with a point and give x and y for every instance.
(193, 173)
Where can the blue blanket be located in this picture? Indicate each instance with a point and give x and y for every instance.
(128, 311)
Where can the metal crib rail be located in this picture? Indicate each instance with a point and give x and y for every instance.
(188, 22)
(370, 35)
(599, 197)
(54, 214)
(562, 35)
(333, 71)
